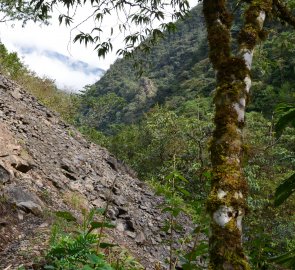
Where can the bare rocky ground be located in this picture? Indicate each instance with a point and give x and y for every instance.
(46, 165)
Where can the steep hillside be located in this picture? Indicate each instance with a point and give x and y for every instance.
(46, 165)
(170, 66)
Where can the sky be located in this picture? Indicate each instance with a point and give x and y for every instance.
(41, 47)
(34, 41)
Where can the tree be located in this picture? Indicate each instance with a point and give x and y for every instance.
(227, 199)
(101, 109)
(19, 10)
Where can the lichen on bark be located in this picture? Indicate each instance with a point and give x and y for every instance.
(227, 199)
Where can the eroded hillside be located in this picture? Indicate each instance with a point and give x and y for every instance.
(46, 165)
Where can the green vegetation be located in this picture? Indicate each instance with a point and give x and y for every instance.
(76, 250)
(12, 10)
(79, 246)
(177, 70)
(162, 123)
(179, 61)
(173, 187)
(175, 121)
(288, 186)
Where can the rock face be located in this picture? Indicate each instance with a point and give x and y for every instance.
(46, 165)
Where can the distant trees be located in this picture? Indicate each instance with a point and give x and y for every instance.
(98, 111)
(10, 63)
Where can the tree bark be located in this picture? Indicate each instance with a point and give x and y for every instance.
(227, 199)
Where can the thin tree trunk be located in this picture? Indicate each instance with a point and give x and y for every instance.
(227, 198)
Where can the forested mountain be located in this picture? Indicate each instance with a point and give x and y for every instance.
(170, 74)
(161, 125)
(177, 70)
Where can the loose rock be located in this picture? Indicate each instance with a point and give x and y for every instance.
(46, 165)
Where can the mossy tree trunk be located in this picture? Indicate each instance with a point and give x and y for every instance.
(227, 198)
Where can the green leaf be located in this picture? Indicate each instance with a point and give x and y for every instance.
(286, 259)
(176, 211)
(183, 191)
(107, 245)
(94, 259)
(167, 209)
(176, 175)
(287, 119)
(197, 230)
(170, 176)
(96, 225)
(178, 227)
(166, 227)
(283, 108)
(284, 190)
(65, 215)
(181, 177)
(208, 175)
(173, 210)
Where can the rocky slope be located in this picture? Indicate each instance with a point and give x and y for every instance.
(46, 165)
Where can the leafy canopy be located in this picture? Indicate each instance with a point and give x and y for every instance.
(12, 10)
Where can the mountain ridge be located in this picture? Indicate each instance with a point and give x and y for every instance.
(167, 68)
(178, 71)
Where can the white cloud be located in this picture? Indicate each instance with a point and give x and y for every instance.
(60, 72)
(54, 38)
(57, 38)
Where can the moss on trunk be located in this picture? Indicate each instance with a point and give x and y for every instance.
(227, 199)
